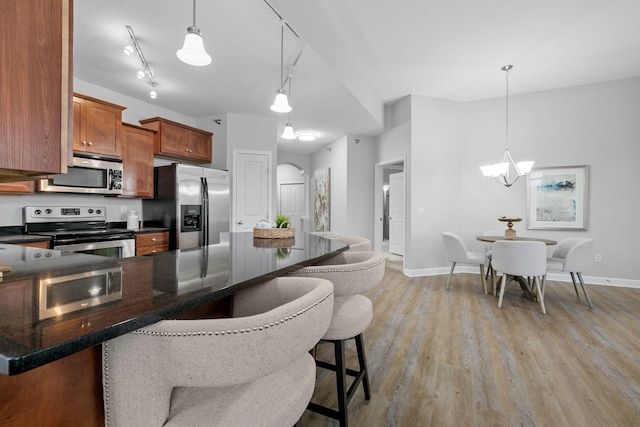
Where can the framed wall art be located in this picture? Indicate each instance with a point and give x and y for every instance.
(322, 200)
(557, 198)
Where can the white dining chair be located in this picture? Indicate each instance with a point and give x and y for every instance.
(573, 255)
(456, 253)
(488, 253)
(521, 258)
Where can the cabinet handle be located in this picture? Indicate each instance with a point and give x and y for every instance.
(90, 143)
(153, 239)
(84, 142)
(153, 251)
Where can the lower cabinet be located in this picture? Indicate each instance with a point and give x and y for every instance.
(151, 243)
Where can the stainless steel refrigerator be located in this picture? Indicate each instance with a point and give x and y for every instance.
(193, 202)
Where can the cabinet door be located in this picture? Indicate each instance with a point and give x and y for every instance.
(173, 140)
(22, 187)
(102, 128)
(137, 161)
(78, 137)
(200, 146)
(16, 304)
(35, 83)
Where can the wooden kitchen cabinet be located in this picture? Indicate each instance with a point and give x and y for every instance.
(42, 244)
(181, 142)
(35, 107)
(97, 126)
(16, 305)
(21, 187)
(151, 243)
(137, 161)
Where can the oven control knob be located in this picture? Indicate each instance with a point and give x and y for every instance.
(98, 211)
(37, 212)
(90, 211)
(37, 255)
(48, 211)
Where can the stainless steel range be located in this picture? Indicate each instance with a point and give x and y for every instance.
(79, 229)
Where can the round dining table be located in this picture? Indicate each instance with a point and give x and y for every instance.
(525, 284)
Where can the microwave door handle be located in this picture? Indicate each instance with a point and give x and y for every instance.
(205, 211)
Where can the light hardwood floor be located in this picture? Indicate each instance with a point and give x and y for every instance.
(453, 358)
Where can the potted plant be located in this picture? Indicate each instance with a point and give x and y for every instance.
(282, 221)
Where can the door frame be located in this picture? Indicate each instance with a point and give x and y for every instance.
(377, 202)
(234, 189)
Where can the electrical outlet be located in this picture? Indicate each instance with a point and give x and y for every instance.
(597, 258)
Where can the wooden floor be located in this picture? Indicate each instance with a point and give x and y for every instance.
(453, 358)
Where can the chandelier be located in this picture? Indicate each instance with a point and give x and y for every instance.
(507, 171)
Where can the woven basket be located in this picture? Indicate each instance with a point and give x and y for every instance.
(273, 243)
(274, 233)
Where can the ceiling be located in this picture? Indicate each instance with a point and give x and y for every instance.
(357, 54)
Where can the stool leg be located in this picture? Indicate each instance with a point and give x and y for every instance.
(363, 366)
(341, 380)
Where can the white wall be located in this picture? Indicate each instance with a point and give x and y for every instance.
(334, 157)
(360, 172)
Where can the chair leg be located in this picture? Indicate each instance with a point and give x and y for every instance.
(453, 265)
(493, 281)
(540, 295)
(586, 295)
(363, 367)
(341, 382)
(575, 286)
(503, 285)
(484, 282)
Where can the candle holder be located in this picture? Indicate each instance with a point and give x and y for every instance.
(509, 233)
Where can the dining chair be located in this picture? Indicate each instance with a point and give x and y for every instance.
(250, 370)
(573, 255)
(352, 273)
(520, 258)
(456, 253)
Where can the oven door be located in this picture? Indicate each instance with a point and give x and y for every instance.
(111, 248)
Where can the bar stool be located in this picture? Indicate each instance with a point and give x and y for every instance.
(250, 370)
(351, 273)
(355, 243)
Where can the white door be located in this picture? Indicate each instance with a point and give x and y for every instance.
(292, 205)
(292, 202)
(396, 213)
(251, 189)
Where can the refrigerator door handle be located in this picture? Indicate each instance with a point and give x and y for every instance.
(205, 211)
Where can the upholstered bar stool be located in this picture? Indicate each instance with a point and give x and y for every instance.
(355, 243)
(326, 234)
(250, 370)
(351, 272)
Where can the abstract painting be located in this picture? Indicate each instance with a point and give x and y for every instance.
(322, 200)
(557, 198)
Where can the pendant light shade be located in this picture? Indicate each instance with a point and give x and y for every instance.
(192, 51)
(281, 103)
(288, 132)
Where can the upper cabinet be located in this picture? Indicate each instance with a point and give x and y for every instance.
(137, 161)
(35, 83)
(19, 187)
(177, 141)
(96, 126)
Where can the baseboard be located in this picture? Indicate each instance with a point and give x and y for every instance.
(558, 277)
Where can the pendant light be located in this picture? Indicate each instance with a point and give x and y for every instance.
(281, 103)
(192, 51)
(288, 127)
(502, 171)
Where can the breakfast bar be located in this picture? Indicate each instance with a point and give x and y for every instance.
(56, 308)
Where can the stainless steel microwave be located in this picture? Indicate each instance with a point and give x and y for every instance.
(87, 175)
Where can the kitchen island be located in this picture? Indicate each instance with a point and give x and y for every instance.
(55, 308)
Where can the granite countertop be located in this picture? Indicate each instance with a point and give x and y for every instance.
(145, 230)
(53, 304)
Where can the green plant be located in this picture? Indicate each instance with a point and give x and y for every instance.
(282, 221)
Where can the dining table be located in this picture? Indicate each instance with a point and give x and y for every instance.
(525, 284)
